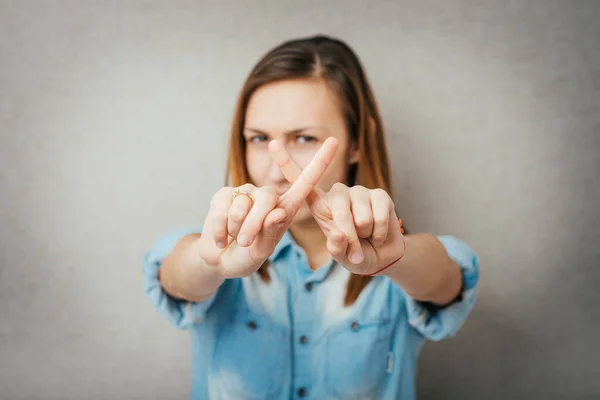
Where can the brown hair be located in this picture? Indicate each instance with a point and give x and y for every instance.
(336, 63)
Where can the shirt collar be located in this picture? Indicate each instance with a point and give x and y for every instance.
(286, 241)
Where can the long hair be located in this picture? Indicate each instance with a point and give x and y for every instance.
(338, 66)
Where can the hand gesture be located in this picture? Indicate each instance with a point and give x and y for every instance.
(362, 229)
(245, 224)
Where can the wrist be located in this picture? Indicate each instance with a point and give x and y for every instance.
(385, 270)
(202, 283)
(196, 260)
(400, 260)
(202, 278)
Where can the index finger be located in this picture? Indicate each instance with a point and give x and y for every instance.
(308, 178)
(291, 171)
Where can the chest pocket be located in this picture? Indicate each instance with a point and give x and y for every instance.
(250, 359)
(355, 357)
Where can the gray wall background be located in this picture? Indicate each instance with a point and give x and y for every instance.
(114, 119)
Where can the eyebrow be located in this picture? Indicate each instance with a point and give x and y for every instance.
(292, 132)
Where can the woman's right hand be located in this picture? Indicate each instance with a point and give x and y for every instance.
(240, 232)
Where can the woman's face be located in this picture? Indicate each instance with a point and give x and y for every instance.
(300, 114)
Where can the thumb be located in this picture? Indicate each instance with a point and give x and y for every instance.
(318, 204)
(274, 217)
(273, 228)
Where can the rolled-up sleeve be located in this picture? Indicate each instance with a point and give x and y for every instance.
(181, 314)
(439, 323)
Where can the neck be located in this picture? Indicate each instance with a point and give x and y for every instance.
(311, 238)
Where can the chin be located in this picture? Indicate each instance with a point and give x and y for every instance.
(303, 215)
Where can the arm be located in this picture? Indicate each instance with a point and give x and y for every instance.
(184, 275)
(426, 272)
(179, 312)
(346, 214)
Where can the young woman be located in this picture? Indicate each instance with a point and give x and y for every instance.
(301, 282)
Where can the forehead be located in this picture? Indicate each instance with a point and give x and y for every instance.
(291, 104)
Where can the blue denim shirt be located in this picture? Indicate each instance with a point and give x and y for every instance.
(293, 338)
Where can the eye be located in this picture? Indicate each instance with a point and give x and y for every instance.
(303, 139)
(257, 139)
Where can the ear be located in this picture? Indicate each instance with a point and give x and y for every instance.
(353, 156)
(372, 126)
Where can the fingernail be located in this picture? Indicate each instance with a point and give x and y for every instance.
(220, 244)
(356, 258)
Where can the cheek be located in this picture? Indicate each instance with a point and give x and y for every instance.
(302, 157)
(258, 166)
(336, 172)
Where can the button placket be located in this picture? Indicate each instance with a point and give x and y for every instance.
(303, 329)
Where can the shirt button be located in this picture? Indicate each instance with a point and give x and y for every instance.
(354, 326)
(301, 392)
(303, 339)
(252, 325)
(308, 286)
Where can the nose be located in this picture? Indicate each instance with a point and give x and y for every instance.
(275, 174)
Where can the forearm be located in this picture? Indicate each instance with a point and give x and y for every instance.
(426, 272)
(183, 273)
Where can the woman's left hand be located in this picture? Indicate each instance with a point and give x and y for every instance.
(361, 225)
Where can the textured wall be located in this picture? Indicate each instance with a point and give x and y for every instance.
(113, 125)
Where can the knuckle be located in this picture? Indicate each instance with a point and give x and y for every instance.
(267, 195)
(362, 222)
(381, 220)
(236, 215)
(379, 237)
(379, 192)
(360, 193)
(269, 189)
(220, 216)
(333, 248)
(219, 231)
(352, 239)
(338, 237)
(219, 195)
(308, 178)
(339, 187)
(224, 191)
(205, 253)
(341, 213)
